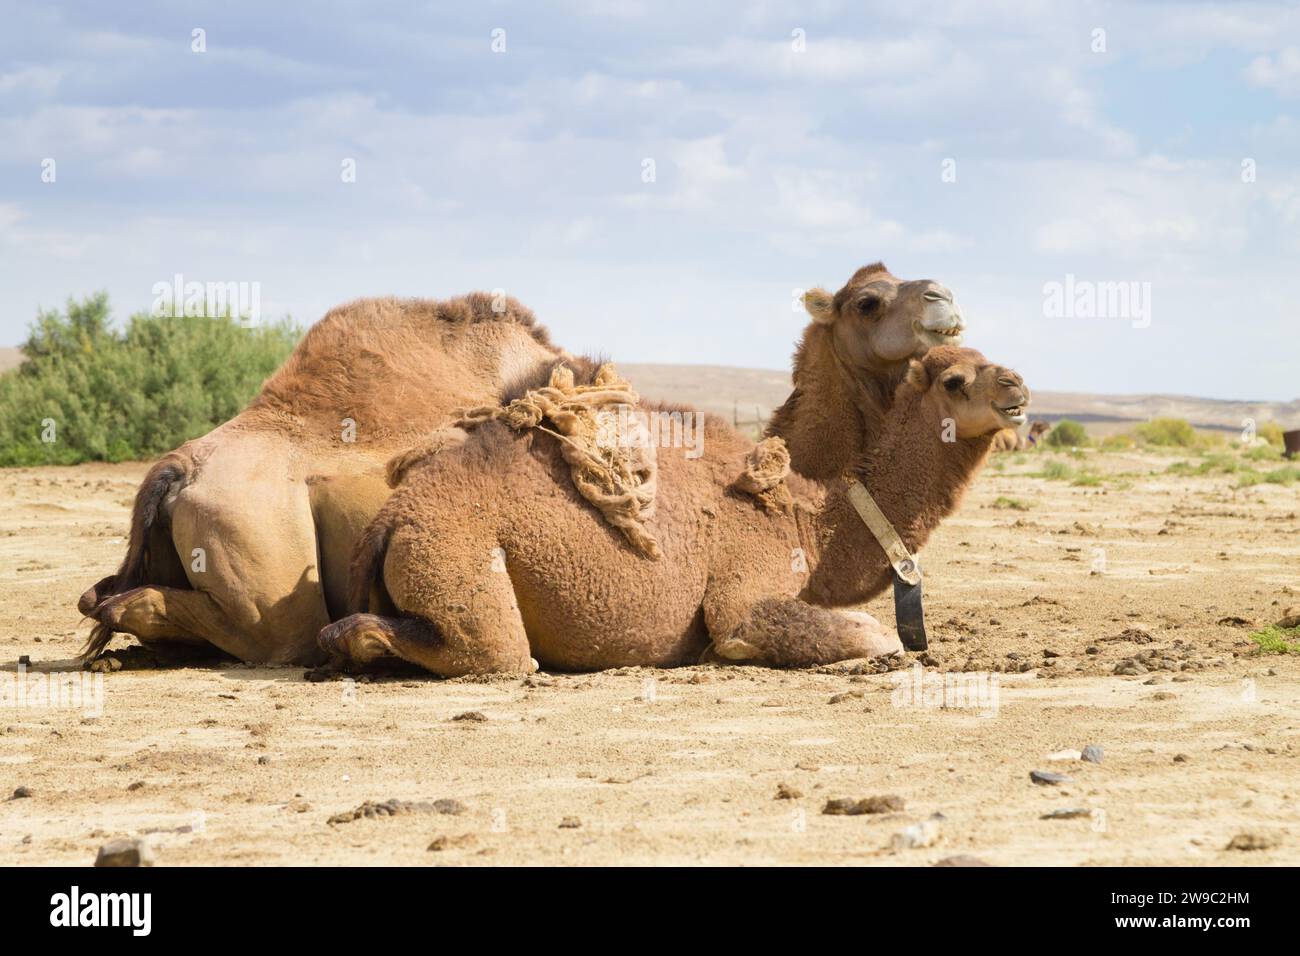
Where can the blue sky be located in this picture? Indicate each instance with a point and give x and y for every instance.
(779, 164)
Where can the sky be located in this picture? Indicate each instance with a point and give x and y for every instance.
(1112, 191)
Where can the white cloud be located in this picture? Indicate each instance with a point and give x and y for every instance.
(1280, 73)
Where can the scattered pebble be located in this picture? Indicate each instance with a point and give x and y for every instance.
(786, 792)
(570, 823)
(1130, 668)
(847, 695)
(21, 793)
(127, 851)
(473, 716)
(446, 842)
(1047, 777)
(847, 806)
(1180, 758)
(1091, 753)
(916, 836)
(394, 807)
(1066, 755)
(1253, 841)
(1067, 813)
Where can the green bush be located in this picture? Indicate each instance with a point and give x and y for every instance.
(1118, 442)
(109, 395)
(1277, 640)
(1271, 432)
(1173, 432)
(1067, 434)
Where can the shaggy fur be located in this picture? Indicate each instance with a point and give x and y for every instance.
(489, 545)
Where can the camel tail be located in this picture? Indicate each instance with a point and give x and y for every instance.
(158, 483)
(367, 564)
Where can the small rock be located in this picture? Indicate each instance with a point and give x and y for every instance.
(916, 836)
(263, 760)
(1290, 618)
(446, 842)
(962, 860)
(1066, 755)
(1180, 758)
(1091, 753)
(1253, 841)
(1067, 813)
(1163, 695)
(786, 792)
(847, 806)
(1046, 777)
(449, 806)
(125, 852)
(473, 716)
(1130, 668)
(21, 793)
(847, 695)
(570, 823)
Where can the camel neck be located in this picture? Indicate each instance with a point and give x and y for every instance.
(834, 409)
(916, 478)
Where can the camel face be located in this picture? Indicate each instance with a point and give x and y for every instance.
(880, 320)
(983, 399)
(978, 396)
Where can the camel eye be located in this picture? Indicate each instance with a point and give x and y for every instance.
(954, 383)
(868, 304)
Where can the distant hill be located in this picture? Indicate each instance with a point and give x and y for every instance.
(749, 395)
(743, 392)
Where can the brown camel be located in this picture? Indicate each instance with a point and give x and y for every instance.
(486, 559)
(1010, 439)
(850, 360)
(240, 539)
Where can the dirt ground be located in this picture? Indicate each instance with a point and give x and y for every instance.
(1037, 591)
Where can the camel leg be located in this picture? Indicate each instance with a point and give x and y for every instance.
(784, 632)
(175, 615)
(363, 638)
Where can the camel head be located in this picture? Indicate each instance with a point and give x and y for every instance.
(879, 320)
(962, 385)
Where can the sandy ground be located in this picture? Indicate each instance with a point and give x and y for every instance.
(227, 764)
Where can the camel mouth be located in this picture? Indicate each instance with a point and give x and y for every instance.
(950, 335)
(1012, 413)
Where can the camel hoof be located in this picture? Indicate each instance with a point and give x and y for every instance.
(91, 597)
(874, 638)
(736, 650)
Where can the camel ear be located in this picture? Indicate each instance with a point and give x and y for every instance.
(917, 377)
(820, 305)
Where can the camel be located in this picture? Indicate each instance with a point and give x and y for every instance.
(1010, 439)
(486, 559)
(240, 539)
(850, 360)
